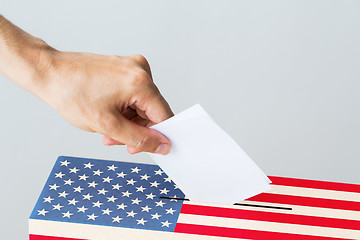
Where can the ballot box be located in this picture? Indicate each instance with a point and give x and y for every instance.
(112, 200)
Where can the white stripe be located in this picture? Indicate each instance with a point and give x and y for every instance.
(269, 226)
(297, 210)
(317, 193)
(97, 232)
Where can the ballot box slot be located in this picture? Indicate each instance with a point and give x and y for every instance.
(174, 198)
(262, 206)
(238, 204)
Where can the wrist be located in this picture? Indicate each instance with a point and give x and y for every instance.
(40, 64)
(24, 59)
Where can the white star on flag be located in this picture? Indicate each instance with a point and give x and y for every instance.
(131, 181)
(63, 194)
(121, 206)
(136, 170)
(92, 217)
(160, 203)
(82, 209)
(98, 172)
(57, 207)
(165, 224)
(164, 191)
(67, 214)
(121, 175)
(48, 199)
(97, 204)
(93, 184)
(111, 199)
(102, 191)
(73, 202)
(140, 189)
(117, 219)
(107, 179)
(68, 182)
(87, 196)
(150, 196)
(131, 214)
(65, 163)
(54, 187)
(145, 209)
(170, 211)
(141, 221)
(74, 170)
(42, 212)
(135, 201)
(126, 194)
(155, 216)
(107, 211)
(59, 175)
(88, 165)
(78, 189)
(117, 186)
(167, 179)
(145, 177)
(83, 177)
(154, 184)
(112, 168)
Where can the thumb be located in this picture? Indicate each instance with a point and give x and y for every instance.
(137, 137)
(153, 104)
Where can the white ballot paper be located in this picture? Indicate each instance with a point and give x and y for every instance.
(205, 162)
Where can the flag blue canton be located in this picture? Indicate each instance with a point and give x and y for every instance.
(111, 193)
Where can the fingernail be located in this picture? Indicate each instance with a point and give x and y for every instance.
(163, 149)
(132, 150)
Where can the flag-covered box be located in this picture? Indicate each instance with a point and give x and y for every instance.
(99, 199)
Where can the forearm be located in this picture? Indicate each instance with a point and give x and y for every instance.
(24, 59)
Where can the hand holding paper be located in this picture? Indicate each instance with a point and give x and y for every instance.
(205, 162)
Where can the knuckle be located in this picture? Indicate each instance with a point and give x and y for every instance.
(141, 142)
(140, 59)
(106, 123)
(140, 77)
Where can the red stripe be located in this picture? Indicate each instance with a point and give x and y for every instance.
(306, 201)
(294, 182)
(270, 217)
(42, 237)
(244, 233)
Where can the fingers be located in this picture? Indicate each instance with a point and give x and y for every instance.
(154, 106)
(151, 111)
(149, 99)
(110, 142)
(132, 150)
(147, 107)
(137, 137)
(138, 120)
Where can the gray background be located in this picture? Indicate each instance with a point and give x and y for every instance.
(281, 77)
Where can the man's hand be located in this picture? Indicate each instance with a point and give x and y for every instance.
(112, 95)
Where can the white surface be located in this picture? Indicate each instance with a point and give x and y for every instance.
(282, 77)
(98, 232)
(205, 162)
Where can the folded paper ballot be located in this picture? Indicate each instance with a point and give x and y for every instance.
(205, 162)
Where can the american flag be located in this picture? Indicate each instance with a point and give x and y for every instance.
(101, 199)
